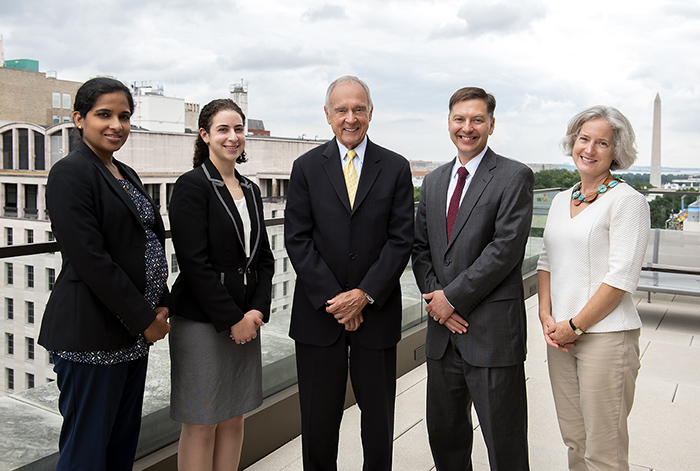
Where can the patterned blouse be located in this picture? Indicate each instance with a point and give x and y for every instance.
(156, 279)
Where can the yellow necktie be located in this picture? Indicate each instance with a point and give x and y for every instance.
(350, 177)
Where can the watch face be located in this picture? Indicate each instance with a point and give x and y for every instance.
(578, 331)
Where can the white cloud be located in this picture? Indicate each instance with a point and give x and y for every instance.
(543, 60)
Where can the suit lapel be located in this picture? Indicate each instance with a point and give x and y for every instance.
(224, 197)
(439, 203)
(111, 179)
(370, 172)
(333, 169)
(480, 180)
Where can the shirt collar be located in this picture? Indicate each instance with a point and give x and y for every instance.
(360, 150)
(471, 166)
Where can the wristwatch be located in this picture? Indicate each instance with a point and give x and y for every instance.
(576, 330)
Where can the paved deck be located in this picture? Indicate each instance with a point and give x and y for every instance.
(664, 424)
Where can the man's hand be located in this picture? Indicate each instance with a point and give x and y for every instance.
(442, 311)
(347, 307)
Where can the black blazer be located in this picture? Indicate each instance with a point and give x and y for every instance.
(479, 269)
(334, 248)
(208, 239)
(97, 302)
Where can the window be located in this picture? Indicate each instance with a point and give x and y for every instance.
(29, 380)
(285, 288)
(7, 150)
(55, 100)
(29, 305)
(29, 342)
(153, 190)
(10, 342)
(9, 274)
(50, 278)
(273, 293)
(49, 236)
(9, 237)
(66, 101)
(10, 308)
(39, 152)
(285, 265)
(273, 242)
(10, 199)
(56, 119)
(49, 357)
(23, 136)
(29, 235)
(273, 213)
(30, 276)
(30, 197)
(10, 374)
(174, 267)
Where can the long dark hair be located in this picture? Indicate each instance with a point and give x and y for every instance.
(90, 91)
(201, 150)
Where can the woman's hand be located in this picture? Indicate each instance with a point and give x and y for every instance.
(246, 329)
(561, 335)
(159, 327)
(549, 329)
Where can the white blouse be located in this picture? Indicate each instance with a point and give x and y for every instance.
(604, 243)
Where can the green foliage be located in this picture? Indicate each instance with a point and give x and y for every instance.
(557, 178)
(662, 207)
(416, 193)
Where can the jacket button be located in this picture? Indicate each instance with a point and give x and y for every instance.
(352, 256)
(240, 271)
(447, 263)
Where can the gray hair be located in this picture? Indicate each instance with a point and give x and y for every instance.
(624, 148)
(346, 79)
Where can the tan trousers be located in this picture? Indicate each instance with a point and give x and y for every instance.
(593, 387)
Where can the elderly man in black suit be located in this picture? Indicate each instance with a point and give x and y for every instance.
(472, 226)
(348, 231)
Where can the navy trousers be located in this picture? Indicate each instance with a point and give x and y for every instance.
(101, 408)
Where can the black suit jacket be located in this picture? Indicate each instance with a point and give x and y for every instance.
(97, 302)
(335, 249)
(480, 268)
(208, 238)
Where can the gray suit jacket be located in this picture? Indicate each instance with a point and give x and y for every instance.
(480, 268)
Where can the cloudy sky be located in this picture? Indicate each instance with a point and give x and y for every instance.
(544, 60)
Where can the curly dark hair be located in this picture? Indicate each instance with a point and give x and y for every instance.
(206, 116)
(90, 91)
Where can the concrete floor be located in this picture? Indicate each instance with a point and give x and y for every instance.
(664, 430)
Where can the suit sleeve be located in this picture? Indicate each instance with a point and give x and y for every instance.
(423, 269)
(71, 195)
(504, 252)
(319, 282)
(380, 280)
(190, 225)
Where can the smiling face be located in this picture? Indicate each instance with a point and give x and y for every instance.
(226, 137)
(349, 113)
(593, 149)
(470, 127)
(106, 126)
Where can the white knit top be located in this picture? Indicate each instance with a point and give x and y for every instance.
(604, 243)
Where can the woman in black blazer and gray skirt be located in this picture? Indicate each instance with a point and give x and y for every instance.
(110, 299)
(221, 297)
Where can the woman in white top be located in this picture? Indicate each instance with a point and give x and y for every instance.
(594, 243)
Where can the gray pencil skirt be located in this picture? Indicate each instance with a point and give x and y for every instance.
(212, 378)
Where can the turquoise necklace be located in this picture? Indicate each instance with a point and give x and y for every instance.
(579, 197)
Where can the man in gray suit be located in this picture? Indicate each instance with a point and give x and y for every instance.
(471, 229)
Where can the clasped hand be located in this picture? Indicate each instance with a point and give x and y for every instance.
(442, 311)
(246, 329)
(558, 334)
(160, 327)
(347, 308)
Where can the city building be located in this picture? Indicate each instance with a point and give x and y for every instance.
(159, 148)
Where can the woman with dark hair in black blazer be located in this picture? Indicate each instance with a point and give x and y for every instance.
(108, 305)
(221, 297)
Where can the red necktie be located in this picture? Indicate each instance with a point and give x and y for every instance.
(454, 202)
